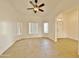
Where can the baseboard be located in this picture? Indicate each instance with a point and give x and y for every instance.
(74, 38)
(7, 47)
(17, 39)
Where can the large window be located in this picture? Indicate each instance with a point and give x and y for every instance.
(45, 27)
(33, 28)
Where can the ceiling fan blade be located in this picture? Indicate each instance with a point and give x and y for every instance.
(30, 8)
(36, 1)
(41, 10)
(32, 3)
(41, 5)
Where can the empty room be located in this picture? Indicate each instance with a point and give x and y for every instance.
(39, 28)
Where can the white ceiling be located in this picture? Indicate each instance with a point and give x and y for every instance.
(52, 7)
(22, 5)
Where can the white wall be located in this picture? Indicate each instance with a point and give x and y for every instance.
(7, 25)
(71, 23)
(7, 35)
(6, 11)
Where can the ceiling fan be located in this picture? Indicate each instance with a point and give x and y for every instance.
(36, 7)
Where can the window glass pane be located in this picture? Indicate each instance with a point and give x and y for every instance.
(33, 28)
(45, 27)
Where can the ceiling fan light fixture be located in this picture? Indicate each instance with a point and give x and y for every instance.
(36, 9)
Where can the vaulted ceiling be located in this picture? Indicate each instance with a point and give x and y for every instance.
(50, 5)
(52, 8)
(21, 7)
